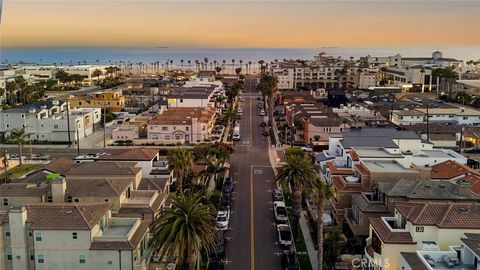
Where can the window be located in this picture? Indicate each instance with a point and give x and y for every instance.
(8, 253)
(75, 235)
(76, 200)
(81, 258)
(55, 126)
(164, 128)
(69, 199)
(40, 258)
(187, 128)
(38, 236)
(106, 200)
(5, 202)
(49, 199)
(7, 232)
(32, 254)
(465, 118)
(419, 229)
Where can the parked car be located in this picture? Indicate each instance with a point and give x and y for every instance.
(216, 264)
(264, 133)
(263, 124)
(102, 154)
(277, 195)
(226, 200)
(416, 99)
(223, 218)
(260, 105)
(228, 185)
(262, 113)
(218, 249)
(290, 260)
(284, 235)
(40, 157)
(307, 148)
(280, 212)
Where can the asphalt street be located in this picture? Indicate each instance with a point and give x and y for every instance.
(252, 242)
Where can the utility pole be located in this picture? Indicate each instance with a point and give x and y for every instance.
(104, 121)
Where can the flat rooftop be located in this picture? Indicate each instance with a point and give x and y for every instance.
(386, 166)
(117, 230)
(376, 153)
(437, 154)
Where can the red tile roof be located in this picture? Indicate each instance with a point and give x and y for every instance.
(388, 236)
(450, 169)
(474, 181)
(362, 169)
(335, 171)
(354, 155)
(414, 261)
(341, 185)
(442, 215)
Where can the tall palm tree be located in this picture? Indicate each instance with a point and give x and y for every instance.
(249, 66)
(180, 160)
(181, 64)
(189, 63)
(268, 88)
(206, 62)
(20, 138)
(233, 64)
(185, 230)
(297, 173)
(97, 73)
(334, 240)
(321, 192)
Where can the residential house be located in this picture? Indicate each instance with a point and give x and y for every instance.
(385, 195)
(72, 236)
(111, 99)
(182, 125)
(48, 121)
(429, 256)
(412, 223)
(453, 171)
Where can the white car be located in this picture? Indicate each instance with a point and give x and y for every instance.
(223, 217)
(262, 113)
(239, 110)
(280, 212)
(307, 149)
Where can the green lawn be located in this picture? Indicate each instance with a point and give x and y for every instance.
(18, 171)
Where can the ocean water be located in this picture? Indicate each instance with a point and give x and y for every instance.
(68, 56)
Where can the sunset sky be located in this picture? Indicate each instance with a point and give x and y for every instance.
(274, 23)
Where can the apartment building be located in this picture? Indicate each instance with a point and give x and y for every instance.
(111, 99)
(37, 237)
(48, 121)
(182, 125)
(413, 223)
(367, 77)
(452, 116)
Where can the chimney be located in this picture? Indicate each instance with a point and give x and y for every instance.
(425, 172)
(59, 188)
(464, 188)
(18, 237)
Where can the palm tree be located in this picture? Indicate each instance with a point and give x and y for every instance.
(355, 120)
(20, 138)
(180, 160)
(97, 73)
(249, 66)
(345, 122)
(334, 240)
(268, 88)
(189, 63)
(233, 64)
(297, 173)
(185, 230)
(181, 64)
(206, 62)
(321, 193)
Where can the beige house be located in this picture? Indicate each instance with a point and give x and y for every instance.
(412, 223)
(66, 236)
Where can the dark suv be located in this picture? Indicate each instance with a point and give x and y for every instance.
(290, 261)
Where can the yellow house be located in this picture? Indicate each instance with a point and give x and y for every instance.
(111, 99)
(414, 223)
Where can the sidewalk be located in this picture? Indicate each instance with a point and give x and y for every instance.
(312, 252)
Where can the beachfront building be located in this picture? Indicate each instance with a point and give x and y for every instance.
(414, 78)
(47, 121)
(110, 99)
